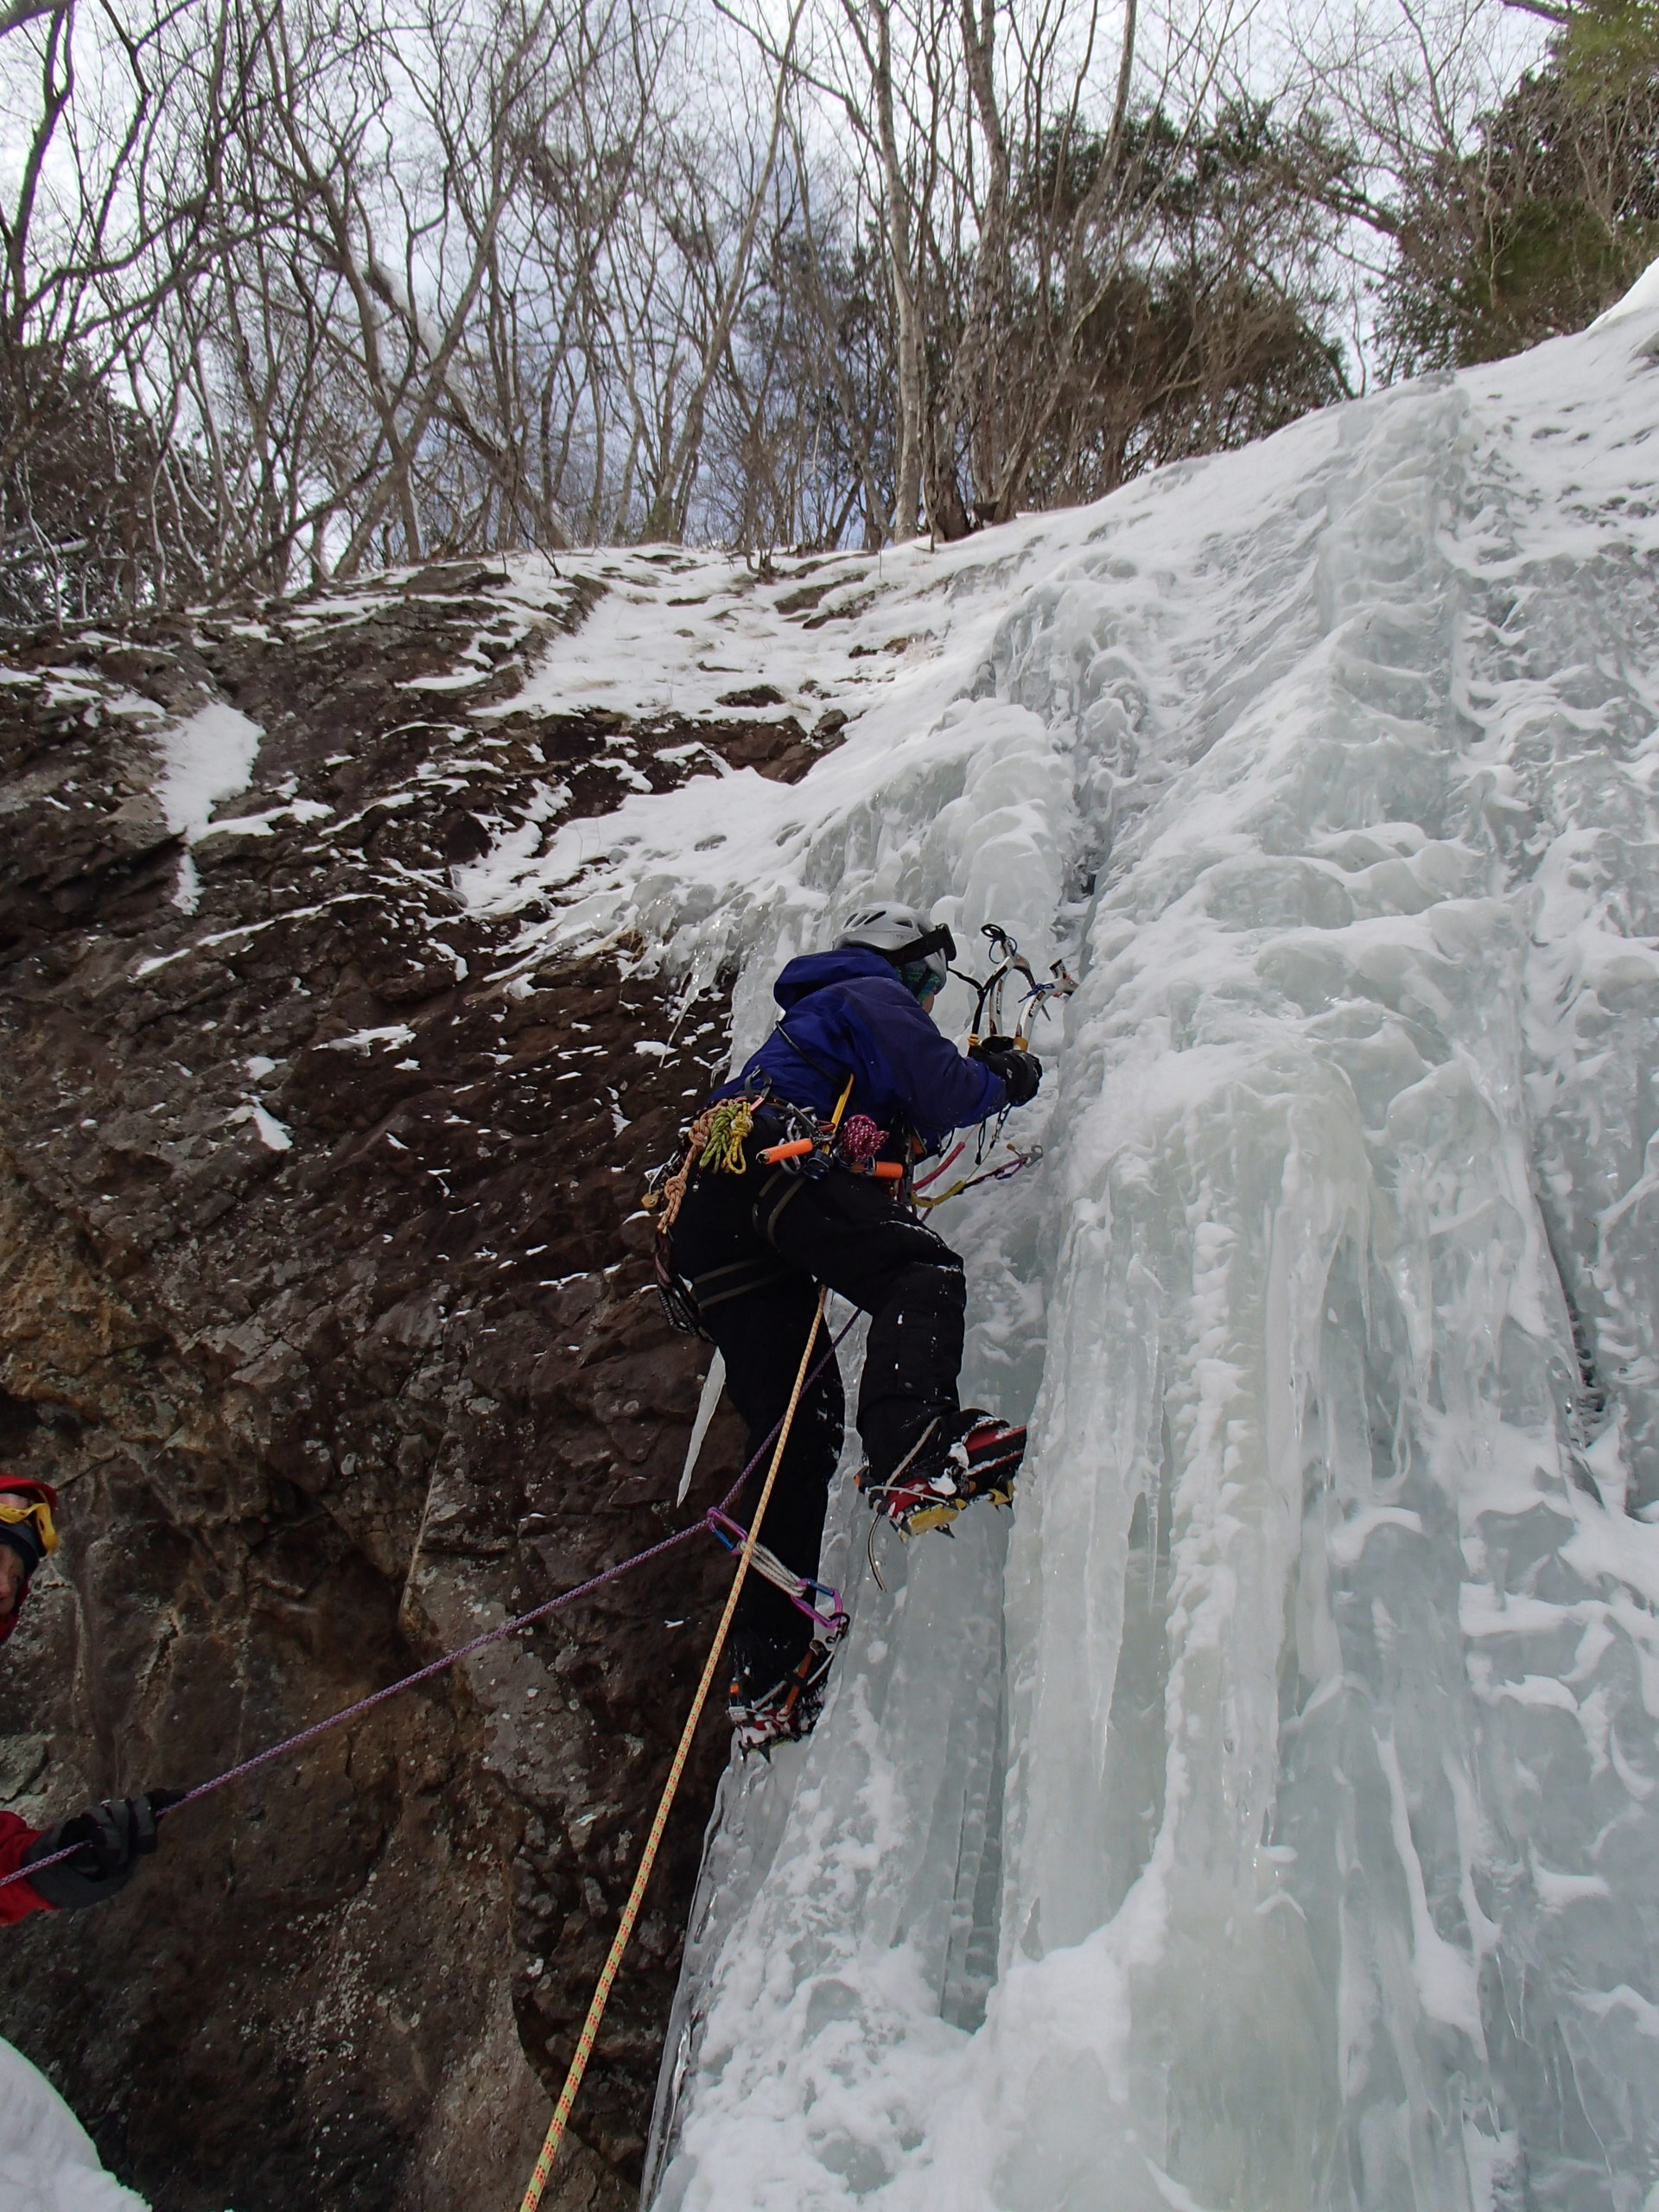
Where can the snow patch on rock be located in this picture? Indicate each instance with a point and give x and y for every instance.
(206, 757)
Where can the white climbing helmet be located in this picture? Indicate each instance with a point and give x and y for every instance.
(920, 953)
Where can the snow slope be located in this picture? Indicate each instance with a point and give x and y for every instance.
(47, 2160)
(1270, 1818)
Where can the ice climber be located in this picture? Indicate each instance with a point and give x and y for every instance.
(859, 1084)
(113, 1836)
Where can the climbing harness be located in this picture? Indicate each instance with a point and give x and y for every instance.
(716, 1520)
(856, 1147)
(556, 2126)
(714, 1143)
(811, 1146)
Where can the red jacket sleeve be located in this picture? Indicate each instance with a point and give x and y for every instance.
(18, 1898)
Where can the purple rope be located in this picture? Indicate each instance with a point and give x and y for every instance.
(709, 1521)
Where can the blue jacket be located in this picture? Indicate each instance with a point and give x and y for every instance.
(847, 1012)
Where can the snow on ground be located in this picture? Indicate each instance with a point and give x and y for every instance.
(47, 2160)
(1271, 1820)
(731, 860)
(206, 757)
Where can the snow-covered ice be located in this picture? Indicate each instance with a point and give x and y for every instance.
(47, 2160)
(1268, 1818)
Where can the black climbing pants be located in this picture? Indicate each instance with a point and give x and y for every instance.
(754, 1247)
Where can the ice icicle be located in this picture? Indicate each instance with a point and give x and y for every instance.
(713, 1384)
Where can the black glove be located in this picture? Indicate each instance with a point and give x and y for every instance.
(1022, 1072)
(113, 1837)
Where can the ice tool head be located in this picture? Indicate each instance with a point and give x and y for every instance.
(921, 954)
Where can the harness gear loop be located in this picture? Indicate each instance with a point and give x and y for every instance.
(584, 2049)
(824, 1140)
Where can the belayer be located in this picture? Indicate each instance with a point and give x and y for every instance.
(852, 1088)
(113, 1836)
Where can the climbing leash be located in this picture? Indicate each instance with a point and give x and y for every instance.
(1003, 1171)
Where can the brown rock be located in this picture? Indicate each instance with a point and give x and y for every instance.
(320, 1300)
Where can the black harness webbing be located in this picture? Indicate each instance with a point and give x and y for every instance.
(779, 1187)
(824, 1067)
(736, 1280)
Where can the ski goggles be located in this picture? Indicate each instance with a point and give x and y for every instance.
(923, 965)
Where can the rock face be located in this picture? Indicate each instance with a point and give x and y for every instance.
(325, 1301)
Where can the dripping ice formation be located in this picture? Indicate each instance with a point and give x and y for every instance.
(1267, 1818)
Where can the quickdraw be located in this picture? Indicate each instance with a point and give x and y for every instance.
(819, 1601)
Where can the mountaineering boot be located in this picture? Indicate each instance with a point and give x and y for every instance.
(773, 1699)
(959, 1457)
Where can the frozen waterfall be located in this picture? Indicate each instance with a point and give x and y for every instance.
(1267, 1817)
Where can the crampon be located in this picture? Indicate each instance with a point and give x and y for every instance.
(789, 1709)
(765, 1710)
(959, 1459)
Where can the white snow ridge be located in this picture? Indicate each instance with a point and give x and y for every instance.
(1268, 1819)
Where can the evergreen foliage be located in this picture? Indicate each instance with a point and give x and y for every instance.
(1550, 217)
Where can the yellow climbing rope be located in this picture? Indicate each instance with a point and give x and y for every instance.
(538, 2179)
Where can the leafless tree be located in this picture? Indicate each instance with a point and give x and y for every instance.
(328, 287)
